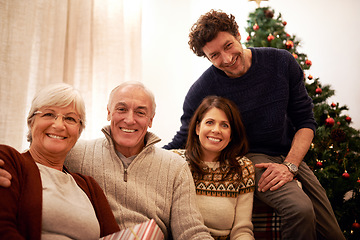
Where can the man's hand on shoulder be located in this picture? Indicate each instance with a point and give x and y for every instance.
(274, 177)
(5, 177)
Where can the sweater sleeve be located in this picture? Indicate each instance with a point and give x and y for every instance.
(186, 220)
(20, 204)
(300, 107)
(243, 227)
(9, 198)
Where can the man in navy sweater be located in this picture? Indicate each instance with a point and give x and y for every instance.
(267, 85)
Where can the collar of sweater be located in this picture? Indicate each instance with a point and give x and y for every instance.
(150, 138)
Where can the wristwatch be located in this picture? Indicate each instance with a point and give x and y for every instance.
(292, 167)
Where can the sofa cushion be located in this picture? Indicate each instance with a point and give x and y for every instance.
(266, 222)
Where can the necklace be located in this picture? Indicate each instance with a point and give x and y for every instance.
(212, 165)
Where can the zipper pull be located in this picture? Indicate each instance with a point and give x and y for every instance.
(125, 175)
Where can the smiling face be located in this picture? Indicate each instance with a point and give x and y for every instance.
(131, 114)
(226, 53)
(214, 133)
(53, 138)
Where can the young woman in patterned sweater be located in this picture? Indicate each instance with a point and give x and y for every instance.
(224, 178)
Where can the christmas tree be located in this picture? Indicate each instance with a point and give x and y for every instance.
(334, 153)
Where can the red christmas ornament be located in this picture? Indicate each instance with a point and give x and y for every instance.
(287, 35)
(308, 62)
(355, 225)
(270, 37)
(289, 44)
(284, 23)
(345, 175)
(318, 90)
(248, 38)
(333, 105)
(358, 181)
(329, 122)
(348, 119)
(295, 55)
(319, 164)
(256, 27)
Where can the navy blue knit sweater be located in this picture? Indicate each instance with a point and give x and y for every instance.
(271, 97)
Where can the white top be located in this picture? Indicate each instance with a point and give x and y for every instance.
(67, 211)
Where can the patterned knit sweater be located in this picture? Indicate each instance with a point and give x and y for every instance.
(224, 200)
(271, 97)
(156, 185)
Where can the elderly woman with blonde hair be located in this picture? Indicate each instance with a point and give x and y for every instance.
(45, 200)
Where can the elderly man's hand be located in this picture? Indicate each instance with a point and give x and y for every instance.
(275, 176)
(5, 177)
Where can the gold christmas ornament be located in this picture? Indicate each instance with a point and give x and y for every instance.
(257, 2)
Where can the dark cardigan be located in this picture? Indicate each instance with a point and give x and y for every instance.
(21, 204)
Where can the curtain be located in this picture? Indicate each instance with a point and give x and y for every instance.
(92, 44)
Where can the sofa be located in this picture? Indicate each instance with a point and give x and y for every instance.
(266, 222)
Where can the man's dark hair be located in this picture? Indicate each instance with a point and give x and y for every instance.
(208, 26)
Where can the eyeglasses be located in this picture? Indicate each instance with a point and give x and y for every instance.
(71, 118)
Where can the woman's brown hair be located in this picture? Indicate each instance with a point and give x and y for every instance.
(238, 145)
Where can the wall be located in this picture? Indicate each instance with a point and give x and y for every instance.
(327, 30)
